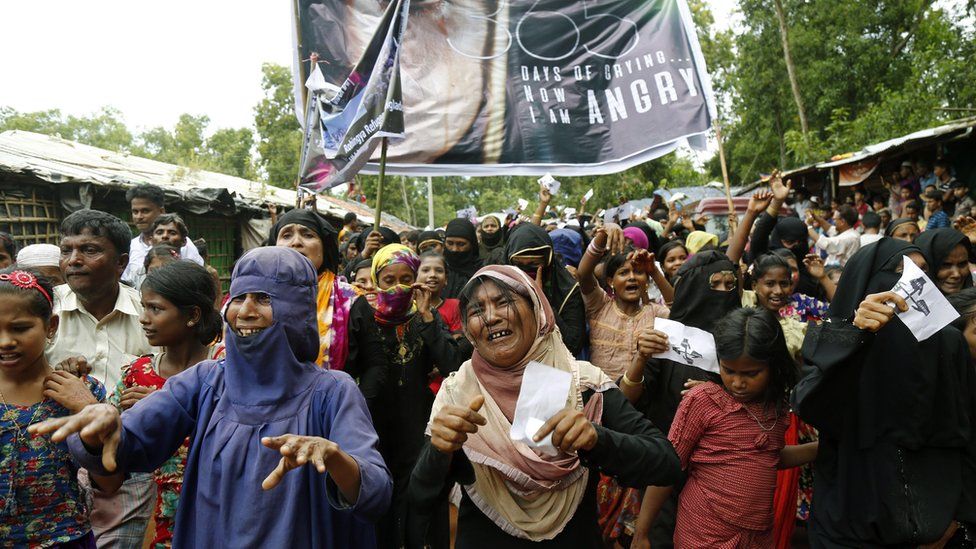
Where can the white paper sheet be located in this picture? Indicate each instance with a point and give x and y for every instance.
(625, 212)
(522, 203)
(588, 195)
(688, 345)
(550, 183)
(609, 214)
(544, 392)
(928, 310)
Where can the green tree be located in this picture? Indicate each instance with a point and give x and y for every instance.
(229, 151)
(869, 71)
(279, 134)
(105, 129)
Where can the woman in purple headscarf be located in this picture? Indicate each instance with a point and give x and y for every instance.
(282, 453)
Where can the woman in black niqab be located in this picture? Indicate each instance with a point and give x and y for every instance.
(896, 419)
(461, 266)
(561, 289)
(695, 302)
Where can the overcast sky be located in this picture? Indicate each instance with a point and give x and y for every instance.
(151, 60)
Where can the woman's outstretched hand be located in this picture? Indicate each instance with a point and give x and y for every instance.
(296, 451)
(98, 425)
(451, 426)
(877, 309)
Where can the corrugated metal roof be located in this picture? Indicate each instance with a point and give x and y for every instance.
(959, 127)
(59, 161)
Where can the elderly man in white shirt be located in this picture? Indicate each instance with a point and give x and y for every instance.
(845, 240)
(99, 324)
(147, 203)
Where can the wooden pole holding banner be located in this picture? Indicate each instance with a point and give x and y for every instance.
(733, 220)
(430, 203)
(379, 187)
(313, 59)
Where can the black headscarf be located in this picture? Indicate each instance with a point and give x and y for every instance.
(890, 231)
(461, 266)
(695, 302)
(314, 221)
(560, 287)
(389, 237)
(531, 239)
(490, 241)
(937, 244)
(427, 236)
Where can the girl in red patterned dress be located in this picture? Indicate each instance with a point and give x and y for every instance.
(179, 317)
(730, 441)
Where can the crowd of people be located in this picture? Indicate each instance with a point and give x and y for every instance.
(358, 387)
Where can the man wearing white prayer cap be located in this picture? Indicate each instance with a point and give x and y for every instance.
(43, 258)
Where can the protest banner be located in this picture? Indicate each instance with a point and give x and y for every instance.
(343, 127)
(526, 88)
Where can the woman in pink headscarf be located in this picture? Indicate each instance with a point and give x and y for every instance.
(514, 496)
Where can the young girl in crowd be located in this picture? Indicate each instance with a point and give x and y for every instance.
(729, 439)
(362, 280)
(433, 274)
(617, 318)
(615, 322)
(771, 285)
(41, 502)
(672, 256)
(179, 317)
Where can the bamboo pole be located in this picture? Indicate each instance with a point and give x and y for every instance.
(733, 220)
(379, 188)
(430, 202)
(312, 60)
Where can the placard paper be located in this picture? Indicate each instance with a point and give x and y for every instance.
(928, 310)
(688, 345)
(522, 203)
(544, 393)
(588, 195)
(550, 183)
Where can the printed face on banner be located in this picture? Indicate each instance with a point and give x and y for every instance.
(928, 310)
(593, 85)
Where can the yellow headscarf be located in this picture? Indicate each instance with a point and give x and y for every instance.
(699, 239)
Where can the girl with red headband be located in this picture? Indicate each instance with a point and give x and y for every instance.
(40, 499)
